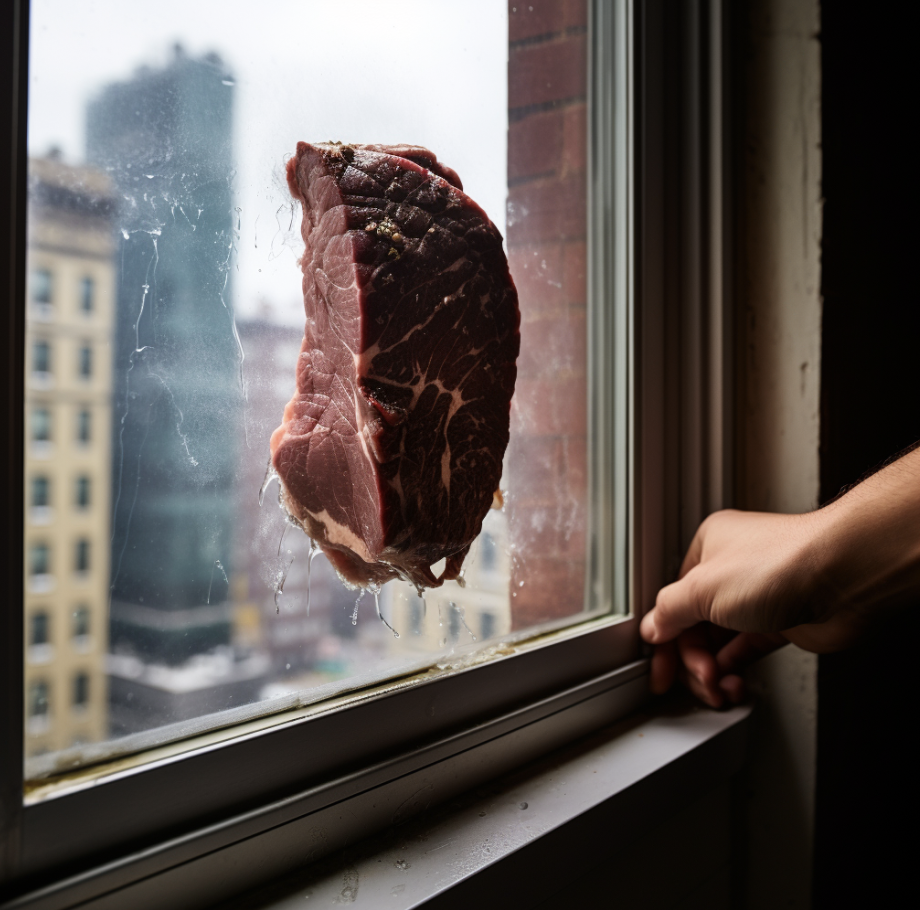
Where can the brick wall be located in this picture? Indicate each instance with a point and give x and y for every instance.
(547, 226)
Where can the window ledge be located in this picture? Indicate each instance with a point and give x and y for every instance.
(624, 775)
(553, 819)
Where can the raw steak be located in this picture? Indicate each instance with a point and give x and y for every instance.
(391, 448)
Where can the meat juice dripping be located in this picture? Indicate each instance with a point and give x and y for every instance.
(280, 587)
(462, 619)
(270, 475)
(281, 539)
(354, 615)
(375, 590)
(314, 549)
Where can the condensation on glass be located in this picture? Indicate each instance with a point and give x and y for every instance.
(164, 320)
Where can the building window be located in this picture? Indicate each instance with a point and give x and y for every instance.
(488, 552)
(40, 559)
(81, 622)
(487, 625)
(39, 703)
(81, 690)
(81, 555)
(453, 621)
(41, 490)
(87, 294)
(41, 425)
(41, 286)
(82, 492)
(38, 629)
(86, 362)
(41, 357)
(84, 425)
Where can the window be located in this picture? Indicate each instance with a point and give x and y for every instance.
(41, 358)
(82, 492)
(81, 690)
(81, 622)
(40, 492)
(85, 361)
(40, 559)
(38, 629)
(41, 287)
(568, 532)
(40, 650)
(81, 555)
(84, 426)
(41, 424)
(488, 555)
(38, 699)
(87, 295)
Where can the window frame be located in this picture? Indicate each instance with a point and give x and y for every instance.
(271, 765)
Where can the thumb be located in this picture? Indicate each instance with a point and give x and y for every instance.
(677, 607)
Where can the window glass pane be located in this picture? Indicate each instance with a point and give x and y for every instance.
(84, 425)
(81, 556)
(87, 287)
(38, 629)
(41, 424)
(39, 559)
(81, 690)
(40, 488)
(82, 492)
(38, 699)
(41, 286)
(86, 361)
(81, 622)
(166, 133)
(41, 357)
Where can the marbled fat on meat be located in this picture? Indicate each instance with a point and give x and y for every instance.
(391, 448)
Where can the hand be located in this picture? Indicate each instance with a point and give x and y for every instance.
(745, 572)
(753, 581)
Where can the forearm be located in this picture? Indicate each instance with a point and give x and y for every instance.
(867, 547)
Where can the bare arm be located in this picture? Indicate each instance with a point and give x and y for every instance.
(819, 580)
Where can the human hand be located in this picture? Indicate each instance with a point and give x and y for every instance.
(751, 573)
(753, 581)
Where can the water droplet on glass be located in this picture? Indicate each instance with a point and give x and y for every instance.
(522, 805)
(228, 82)
(402, 864)
(287, 666)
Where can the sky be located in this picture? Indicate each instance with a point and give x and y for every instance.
(426, 72)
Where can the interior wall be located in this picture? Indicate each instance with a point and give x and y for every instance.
(777, 81)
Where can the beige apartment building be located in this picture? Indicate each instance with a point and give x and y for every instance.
(69, 321)
(452, 616)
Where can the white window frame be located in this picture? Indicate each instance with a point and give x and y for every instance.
(249, 801)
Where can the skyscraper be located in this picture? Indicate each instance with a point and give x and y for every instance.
(164, 137)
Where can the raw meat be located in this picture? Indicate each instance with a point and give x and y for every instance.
(391, 449)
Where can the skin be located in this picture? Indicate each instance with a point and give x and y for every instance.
(752, 582)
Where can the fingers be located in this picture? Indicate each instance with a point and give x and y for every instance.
(677, 607)
(698, 660)
(732, 687)
(745, 648)
(664, 668)
(707, 660)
